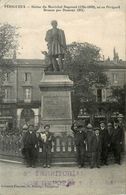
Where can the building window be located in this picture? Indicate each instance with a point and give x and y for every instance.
(99, 95)
(103, 95)
(7, 77)
(27, 77)
(115, 78)
(27, 95)
(6, 93)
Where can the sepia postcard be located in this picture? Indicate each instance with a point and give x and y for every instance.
(62, 97)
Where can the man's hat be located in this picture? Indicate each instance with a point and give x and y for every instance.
(89, 126)
(25, 126)
(102, 122)
(32, 129)
(109, 124)
(47, 126)
(53, 21)
(30, 126)
(96, 129)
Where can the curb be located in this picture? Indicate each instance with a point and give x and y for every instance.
(10, 161)
(53, 164)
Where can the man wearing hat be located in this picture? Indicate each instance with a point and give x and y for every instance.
(89, 136)
(116, 142)
(93, 146)
(45, 140)
(80, 137)
(110, 134)
(104, 143)
(96, 148)
(30, 145)
(122, 126)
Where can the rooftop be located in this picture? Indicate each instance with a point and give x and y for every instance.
(107, 64)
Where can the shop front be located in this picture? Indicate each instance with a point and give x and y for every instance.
(7, 117)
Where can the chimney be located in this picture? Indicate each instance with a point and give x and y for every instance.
(115, 56)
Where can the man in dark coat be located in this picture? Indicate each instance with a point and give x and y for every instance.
(93, 146)
(45, 141)
(116, 142)
(122, 126)
(30, 145)
(104, 143)
(96, 148)
(80, 137)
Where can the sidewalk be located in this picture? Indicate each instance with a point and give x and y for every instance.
(16, 179)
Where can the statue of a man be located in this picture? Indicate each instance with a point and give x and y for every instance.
(56, 43)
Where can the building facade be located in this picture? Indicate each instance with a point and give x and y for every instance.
(116, 74)
(29, 74)
(22, 94)
(22, 98)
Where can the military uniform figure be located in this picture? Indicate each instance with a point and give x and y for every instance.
(80, 137)
(104, 143)
(30, 145)
(45, 140)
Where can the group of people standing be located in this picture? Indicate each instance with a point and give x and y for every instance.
(98, 143)
(35, 141)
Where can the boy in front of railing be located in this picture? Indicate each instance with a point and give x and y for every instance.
(45, 140)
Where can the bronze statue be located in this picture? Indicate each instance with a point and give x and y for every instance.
(56, 43)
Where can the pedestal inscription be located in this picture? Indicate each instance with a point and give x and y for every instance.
(56, 101)
(56, 107)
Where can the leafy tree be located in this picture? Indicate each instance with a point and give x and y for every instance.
(82, 63)
(8, 44)
(119, 97)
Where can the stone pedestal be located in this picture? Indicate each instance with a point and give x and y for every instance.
(56, 101)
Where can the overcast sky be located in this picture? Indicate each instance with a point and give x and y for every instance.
(105, 27)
